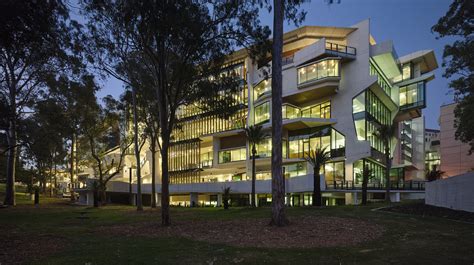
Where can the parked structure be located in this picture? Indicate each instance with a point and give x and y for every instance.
(455, 158)
(339, 86)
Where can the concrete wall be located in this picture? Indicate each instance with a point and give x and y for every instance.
(454, 154)
(455, 193)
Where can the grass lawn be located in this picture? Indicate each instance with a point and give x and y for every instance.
(57, 233)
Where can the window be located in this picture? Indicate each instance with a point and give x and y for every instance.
(262, 113)
(232, 155)
(305, 141)
(318, 70)
(290, 111)
(334, 171)
(294, 170)
(261, 88)
(412, 95)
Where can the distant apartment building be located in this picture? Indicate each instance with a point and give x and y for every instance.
(455, 159)
(339, 86)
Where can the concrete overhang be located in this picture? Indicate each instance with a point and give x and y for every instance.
(427, 59)
(380, 93)
(426, 77)
(312, 90)
(302, 123)
(385, 57)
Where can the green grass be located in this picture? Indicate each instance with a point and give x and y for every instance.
(407, 239)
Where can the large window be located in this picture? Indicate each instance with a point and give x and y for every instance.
(294, 170)
(302, 141)
(412, 95)
(381, 79)
(232, 155)
(334, 171)
(262, 113)
(318, 70)
(377, 170)
(320, 111)
(262, 88)
(369, 114)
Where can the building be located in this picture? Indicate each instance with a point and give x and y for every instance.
(339, 86)
(432, 149)
(455, 158)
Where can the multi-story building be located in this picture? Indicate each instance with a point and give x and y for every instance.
(432, 149)
(455, 158)
(339, 86)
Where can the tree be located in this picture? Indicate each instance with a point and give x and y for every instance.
(289, 10)
(36, 39)
(385, 133)
(317, 158)
(226, 197)
(366, 175)
(183, 46)
(71, 94)
(434, 174)
(100, 128)
(459, 64)
(254, 135)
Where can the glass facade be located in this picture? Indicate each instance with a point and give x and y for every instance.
(232, 155)
(412, 95)
(321, 69)
(264, 148)
(321, 111)
(262, 88)
(369, 114)
(262, 113)
(378, 172)
(301, 141)
(334, 171)
(381, 79)
(294, 170)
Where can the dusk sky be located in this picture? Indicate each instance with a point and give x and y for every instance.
(406, 22)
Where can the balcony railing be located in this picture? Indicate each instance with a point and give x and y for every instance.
(394, 185)
(340, 48)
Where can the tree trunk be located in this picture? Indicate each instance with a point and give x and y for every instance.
(364, 190)
(387, 174)
(317, 198)
(73, 197)
(137, 151)
(254, 152)
(11, 164)
(165, 196)
(278, 183)
(153, 172)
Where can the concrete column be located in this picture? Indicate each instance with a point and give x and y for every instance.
(158, 199)
(219, 200)
(193, 199)
(395, 196)
(351, 198)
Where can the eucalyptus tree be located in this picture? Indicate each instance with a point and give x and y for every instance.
(255, 135)
(183, 46)
(366, 175)
(101, 129)
(317, 158)
(458, 23)
(37, 38)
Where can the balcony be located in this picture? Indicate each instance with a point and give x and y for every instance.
(313, 72)
(232, 155)
(412, 96)
(295, 118)
(340, 50)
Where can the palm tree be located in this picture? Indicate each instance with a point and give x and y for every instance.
(385, 133)
(317, 158)
(367, 174)
(434, 174)
(254, 135)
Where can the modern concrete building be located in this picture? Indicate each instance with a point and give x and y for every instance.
(455, 158)
(339, 86)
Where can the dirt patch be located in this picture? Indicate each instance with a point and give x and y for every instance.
(428, 210)
(18, 248)
(304, 232)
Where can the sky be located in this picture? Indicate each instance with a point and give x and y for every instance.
(406, 22)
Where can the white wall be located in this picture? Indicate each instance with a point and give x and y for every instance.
(455, 192)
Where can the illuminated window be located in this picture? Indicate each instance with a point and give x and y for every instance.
(318, 70)
(262, 113)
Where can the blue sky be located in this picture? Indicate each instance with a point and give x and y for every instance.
(406, 22)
